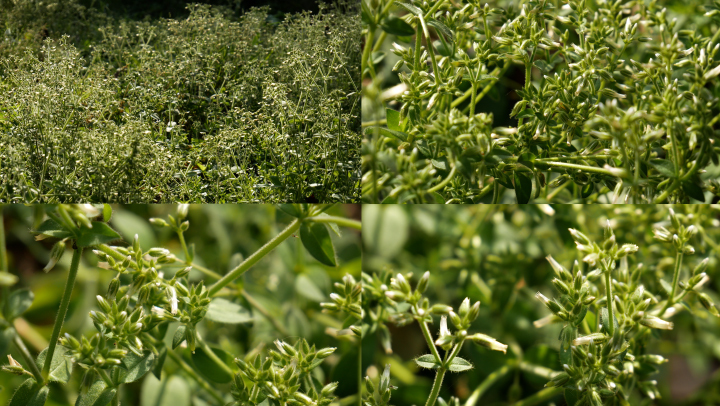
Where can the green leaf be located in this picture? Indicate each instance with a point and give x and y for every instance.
(209, 368)
(137, 366)
(316, 239)
(664, 166)
(293, 210)
(100, 233)
(458, 365)
(572, 396)
(106, 212)
(666, 286)
(367, 14)
(29, 394)
(693, 190)
(61, 365)
(7, 335)
(411, 8)
(393, 119)
(306, 287)
(523, 187)
(157, 369)
(179, 336)
(542, 65)
(496, 156)
(442, 29)
(527, 113)
(397, 26)
(224, 311)
(98, 395)
(18, 302)
(52, 229)
(391, 133)
(174, 391)
(427, 361)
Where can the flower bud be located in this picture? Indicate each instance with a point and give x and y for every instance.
(104, 305)
(55, 254)
(489, 342)
(674, 220)
(423, 283)
(626, 249)
(185, 225)
(464, 308)
(158, 252)
(656, 322)
(561, 286)
(182, 211)
(590, 338)
(440, 309)
(709, 305)
(158, 222)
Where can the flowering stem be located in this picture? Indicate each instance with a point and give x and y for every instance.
(337, 220)
(487, 383)
(188, 369)
(436, 387)
(676, 276)
(608, 290)
(28, 359)
(60, 318)
(211, 354)
(430, 343)
(181, 237)
(255, 257)
(444, 182)
(540, 397)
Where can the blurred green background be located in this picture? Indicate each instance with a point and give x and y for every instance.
(496, 254)
(288, 282)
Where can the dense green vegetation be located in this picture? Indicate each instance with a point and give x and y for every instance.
(142, 298)
(510, 259)
(222, 105)
(541, 101)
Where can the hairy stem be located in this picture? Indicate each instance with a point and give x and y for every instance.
(60, 318)
(29, 360)
(337, 220)
(436, 387)
(487, 383)
(676, 276)
(191, 372)
(430, 343)
(539, 397)
(255, 257)
(211, 354)
(608, 291)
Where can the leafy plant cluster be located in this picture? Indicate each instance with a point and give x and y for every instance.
(639, 295)
(593, 101)
(153, 321)
(211, 108)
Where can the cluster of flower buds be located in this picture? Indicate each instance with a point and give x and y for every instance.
(348, 300)
(186, 305)
(122, 328)
(177, 224)
(281, 375)
(678, 235)
(95, 352)
(383, 394)
(603, 255)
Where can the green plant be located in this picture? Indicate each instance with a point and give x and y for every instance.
(153, 292)
(588, 349)
(593, 101)
(208, 108)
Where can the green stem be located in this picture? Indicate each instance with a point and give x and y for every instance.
(436, 387)
(29, 360)
(341, 221)
(105, 378)
(255, 257)
(211, 354)
(445, 181)
(676, 276)
(359, 377)
(64, 303)
(585, 168)
(487, 383)
(430, 343)
(608, 291)
(274, 320)
(539, 397)
(3, 261)
(181, 237)
(188, 369)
